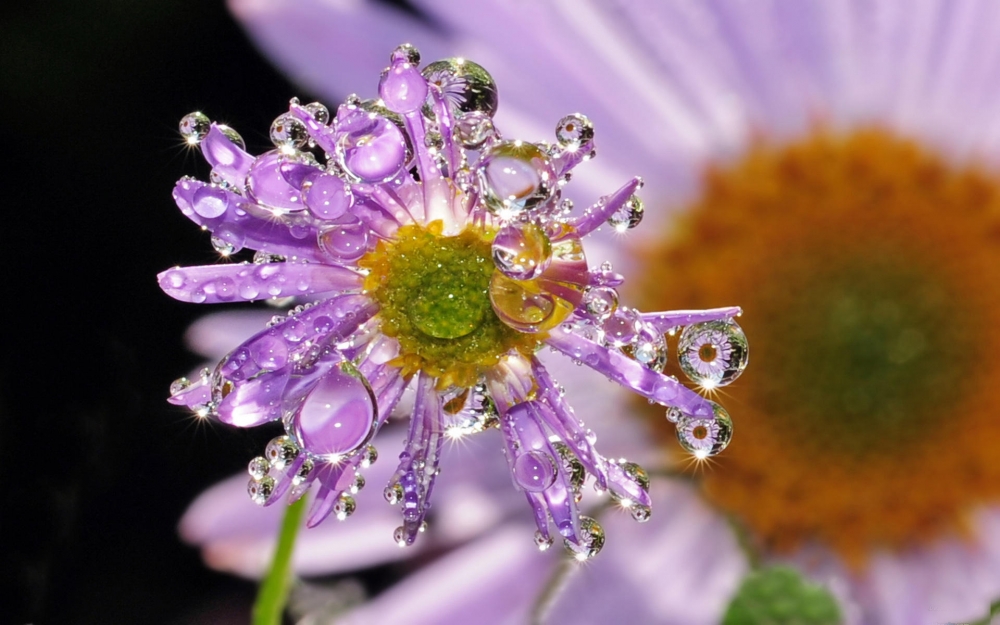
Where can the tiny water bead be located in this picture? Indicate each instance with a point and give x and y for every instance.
(873, 315)
(434, 254)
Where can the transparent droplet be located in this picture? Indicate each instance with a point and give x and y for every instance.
(357, 484)
(628, 216)
(260, 258)
(344, 506)
(223, 247)
(346, 242)
(522, 250)
(233, 136)
(515, 177)
(591, 540)
(574, 131)
(713, 353)
(622, 327)
(179, 385)
(407, 52)
(288, 132)
(194, 126)
(474, 128)
(399, 536)
(260, 490)
(572, 466)
(393, 493)
(673, 414)
(650, 348)
(534, 471)
(640, 512)
(600, 302)
(304, 471)
(280, 451)
(542, 541)
(374, 150)
(466, 85)
(258, 467)
(369, 456)
(637, 474)
(523, 305)
(319, 112)
(705, 437)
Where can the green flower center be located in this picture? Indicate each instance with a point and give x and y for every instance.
(779, 596)
(434, 297)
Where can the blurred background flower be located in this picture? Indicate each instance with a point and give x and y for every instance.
(833, 165)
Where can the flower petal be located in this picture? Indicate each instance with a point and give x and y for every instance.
(214, 335)
(213, 284)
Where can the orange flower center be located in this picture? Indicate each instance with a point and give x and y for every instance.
(869, 272)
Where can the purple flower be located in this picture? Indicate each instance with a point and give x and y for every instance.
(676, 86)
(437, 255)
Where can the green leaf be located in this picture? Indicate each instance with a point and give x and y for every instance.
(780, 596)
(273, 593)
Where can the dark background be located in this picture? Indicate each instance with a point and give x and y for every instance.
(97, 467)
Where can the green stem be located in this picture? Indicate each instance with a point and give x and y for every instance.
(273, 593)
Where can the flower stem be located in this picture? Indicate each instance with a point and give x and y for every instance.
(273, 593)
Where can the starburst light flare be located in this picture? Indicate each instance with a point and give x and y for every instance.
(435, 254)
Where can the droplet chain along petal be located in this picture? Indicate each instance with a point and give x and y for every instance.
(434, 254)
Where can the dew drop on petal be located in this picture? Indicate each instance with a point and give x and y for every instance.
(515, 176)
(705, 437)
(574, 131)
(375, 151)
(713, 353)
(288, 132)
(194, 126)
(474, 129)
(210, 202)
(260, 490)
(467, 86)
(344, 243)
(591, 540)
(393, 493)
(600, 302)
(522, 251)
(542, 541)
(344, 506)
(628, 216)
(534, 471)
(280, 451)
(258, 467)
(337, 416)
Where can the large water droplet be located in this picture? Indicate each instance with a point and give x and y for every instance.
(327, 196)
(522, 250)
(280, 451)
(258, 467)
(344, 243)
(373, 151)
(628, 216)
(705, 437)
(574, 131)
(260, 490)
(288, 132)
(515, 177)
(600, 302)
(194, 126)
(622, 327)
(344, 506)
(474, 128)
(591, 540)
(466, 85)
(534, 471)
(337, 416)
(713, 353)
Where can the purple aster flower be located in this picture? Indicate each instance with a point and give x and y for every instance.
(676, 86)
(440, 255)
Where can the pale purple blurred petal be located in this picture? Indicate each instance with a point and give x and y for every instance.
(216, 334)
(491, 581)
(681, 567)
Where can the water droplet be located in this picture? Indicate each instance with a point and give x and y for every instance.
(600, 302)
(542, 541)
(637, 474)
(194, 127)
(640, 512)
(369, 456)
(572, 466)
(399, 536)
(344, 506)
(406, 52)
(288, 132)
(574, 131)
(373, 150)
(522, 306)
(305, 470)
(628, 216)
(673, 414)
(344, 243)
(466, 85)
(338, 414)
(280, 451)
(474, 129)
(622, 327)
(591, 540)
(534, 471)
(713, 353)
(705, 437)
(260, 258)
(522, 251)
(515, 176)
(258, 467)
(260, 490)
(233, 136)
(357, 484)
(223, 247)
(393, 493)
(319, 112)
(179, 385)
(210, 201)
(327, 196)
(650, 348)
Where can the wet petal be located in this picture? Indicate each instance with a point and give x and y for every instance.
(213, 284)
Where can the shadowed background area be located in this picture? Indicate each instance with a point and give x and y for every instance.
(98, 466)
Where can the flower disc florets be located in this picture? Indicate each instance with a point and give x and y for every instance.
(432, 252)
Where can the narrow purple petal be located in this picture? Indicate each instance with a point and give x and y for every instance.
(630, 374)
(227, 159)
(598, 214)
(669, 320)
(213, 284)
